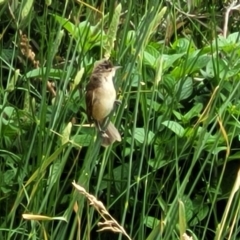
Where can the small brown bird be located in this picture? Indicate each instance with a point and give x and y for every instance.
(100, 100)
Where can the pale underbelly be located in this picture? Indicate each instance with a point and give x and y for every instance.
(103, 104)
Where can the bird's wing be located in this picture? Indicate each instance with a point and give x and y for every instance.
(89, 104)
(93, 84)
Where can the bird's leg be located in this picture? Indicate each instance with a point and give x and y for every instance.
(101, 131)
(99, 127)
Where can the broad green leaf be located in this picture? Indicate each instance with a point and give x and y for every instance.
(217, 150)
(151, 222)
(140, 135)
(8, 176)
(184, 88)
(229, 44)
(193, 112)
(9, 111)
(150, 48)
(70, 27)
(83, 139)
(155, 233)
(196, 63)
(178, 115)
(169, 60)
(234, 38)
(183, 45)
(175, 127)
(149, 59)
(66, 133)
(157, 164)
(169, 83)
(188, 205)
(85, 35)
(153, 105)
(217, 66)
(40, 72)
(119, 173)
(201, 211)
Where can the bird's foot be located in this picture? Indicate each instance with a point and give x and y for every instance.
(103, 134)
(117, 102)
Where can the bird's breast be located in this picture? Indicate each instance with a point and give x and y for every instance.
(103, 100)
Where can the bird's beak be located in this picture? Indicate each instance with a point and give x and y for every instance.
(117, 67)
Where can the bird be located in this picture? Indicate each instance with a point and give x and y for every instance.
(101, 100)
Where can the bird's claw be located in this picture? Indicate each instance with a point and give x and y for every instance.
(103, 134)
(117, 102)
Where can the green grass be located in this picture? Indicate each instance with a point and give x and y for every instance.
(176, 170)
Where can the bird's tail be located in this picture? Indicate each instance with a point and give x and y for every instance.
(111, 135)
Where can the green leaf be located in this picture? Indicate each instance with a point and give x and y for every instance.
(83, 139)
(183, 45)
(40, 72)
(216, 65)
(9, 111)
(64, 22)
(148, 59)
(188, 205)
(155, 233)
(194, 111)
(157, 164)
(66, 133)
(175, 127)
(200, 212)
(151, 222)
(119, 173)
(234, 38)
(184, 88)
(150, 55)
(197, 63)
(178, 115)
(169, 60)
(140, 135)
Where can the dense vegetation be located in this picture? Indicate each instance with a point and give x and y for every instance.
(175, 175)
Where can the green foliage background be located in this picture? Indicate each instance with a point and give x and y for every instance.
(176, 170)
